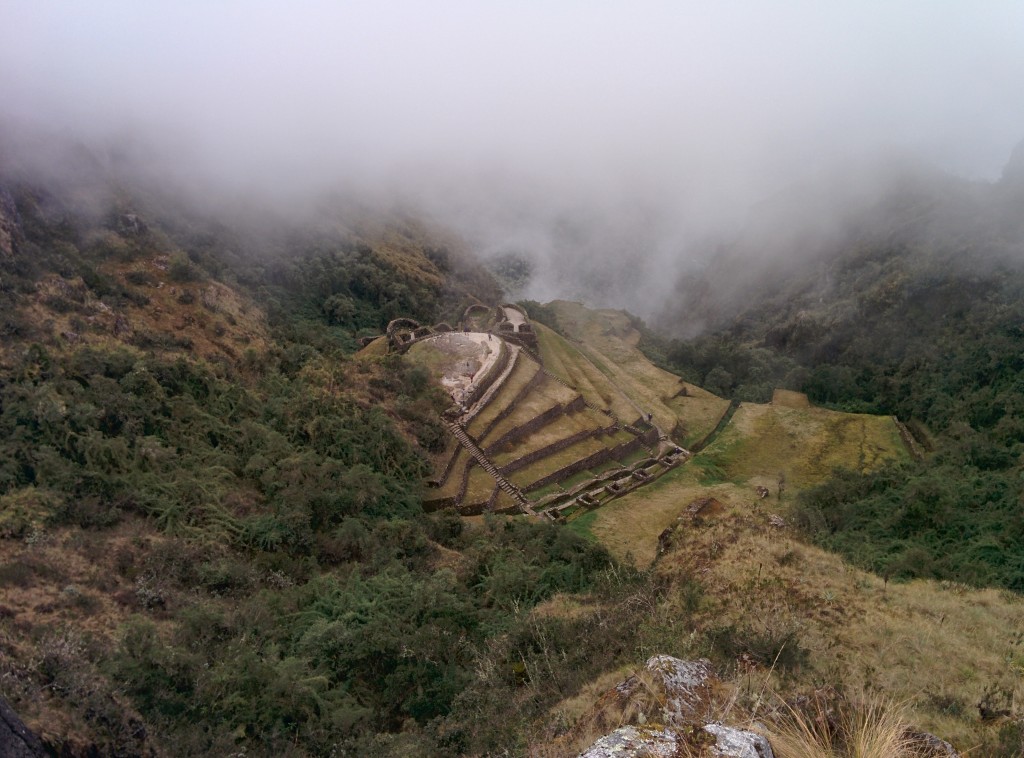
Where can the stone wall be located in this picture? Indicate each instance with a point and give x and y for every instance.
(607, 454)
(525, 430)
(514, 307)
(706, 439)
(454, 500)
(523, 339)
(650, 437)
(478, 308)
(555, 447)
(908, 439)
(430, 506)
(481, 386)
(508, 409)
(439, 481)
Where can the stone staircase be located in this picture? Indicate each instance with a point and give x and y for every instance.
(506, 486)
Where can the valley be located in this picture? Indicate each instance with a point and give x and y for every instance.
(342, 495)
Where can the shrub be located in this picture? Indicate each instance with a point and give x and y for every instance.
(182, 270)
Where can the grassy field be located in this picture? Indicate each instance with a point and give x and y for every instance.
(761, 444)
(605, 341)
(768, 445)
(451, 485)
(563, 458)
(481, 485)
(629, 526)
(698, 413)
(764, 442)
(566, 361)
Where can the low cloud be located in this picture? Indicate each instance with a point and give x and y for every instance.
(610, 139)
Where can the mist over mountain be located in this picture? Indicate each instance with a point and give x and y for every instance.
(614, 149)
(849, 232)
(296, 459)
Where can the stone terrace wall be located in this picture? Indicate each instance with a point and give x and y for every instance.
(493, 372)
(554, 447)
(583, 464)
(439, 481)
(454, 500)
(533, 425)
(508, 409)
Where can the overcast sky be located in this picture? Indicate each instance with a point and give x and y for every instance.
(681, 108)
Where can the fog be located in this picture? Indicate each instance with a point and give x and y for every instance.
(611, 143)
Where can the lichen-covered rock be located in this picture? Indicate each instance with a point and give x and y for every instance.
(930, 746)
(687, 686)
(738, 743)
(633, 742)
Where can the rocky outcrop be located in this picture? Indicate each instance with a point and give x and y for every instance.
(667, 709)
(738, 743)
(16, 740)
(631, 741)
(713, 739)
(687, 686)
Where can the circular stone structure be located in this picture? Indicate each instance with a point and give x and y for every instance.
(457, 359)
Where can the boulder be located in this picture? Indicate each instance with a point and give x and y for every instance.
(687, 687)
(16, 740)
(738, 743)
(634, 742)
(930, 746)
(669, 692)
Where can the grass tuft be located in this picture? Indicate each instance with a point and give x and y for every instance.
(838, 728)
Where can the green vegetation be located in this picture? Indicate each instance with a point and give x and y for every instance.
(212, 519)
(246, 536)
(917, 324)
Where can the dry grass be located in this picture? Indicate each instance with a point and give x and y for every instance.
(481, 485)
(870, 728)
(218, 322)
(629, 526)
(376, 349)
(559, 429)
(454, 480)
(522, 372)
(567, 362)
(543, 397)
(608, 339)
(698, 412)
(939, 648)
(560, 460)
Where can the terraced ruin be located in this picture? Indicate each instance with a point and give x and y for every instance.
(557, 426)
(526, 439)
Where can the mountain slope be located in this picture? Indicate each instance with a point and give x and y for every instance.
(916, 311)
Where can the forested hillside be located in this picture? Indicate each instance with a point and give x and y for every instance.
(213, 538)
(914, 307)
(211, 508)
